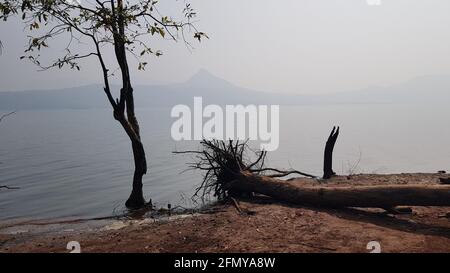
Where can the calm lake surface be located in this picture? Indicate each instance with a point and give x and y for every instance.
(78, 163)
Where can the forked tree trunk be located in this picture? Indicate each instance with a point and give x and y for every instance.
(131, 127)
(380, 196)
(328, 154)
(126, 105)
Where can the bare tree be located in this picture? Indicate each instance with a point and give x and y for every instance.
(121, 26)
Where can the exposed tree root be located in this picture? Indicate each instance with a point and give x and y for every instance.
(223, 162)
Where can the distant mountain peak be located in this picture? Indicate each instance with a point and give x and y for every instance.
(203, 72)
(203, 78)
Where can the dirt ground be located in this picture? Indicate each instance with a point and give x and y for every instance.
(265, 226)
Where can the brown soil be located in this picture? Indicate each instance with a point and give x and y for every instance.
(265, 226)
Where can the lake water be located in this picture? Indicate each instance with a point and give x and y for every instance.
(78, 163)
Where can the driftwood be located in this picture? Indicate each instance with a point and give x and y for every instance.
(379, 196)
(228, 175)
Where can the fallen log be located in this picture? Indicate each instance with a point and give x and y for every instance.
(228, 175)
(379, 196)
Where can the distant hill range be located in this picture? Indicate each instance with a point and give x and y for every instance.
(426, 89)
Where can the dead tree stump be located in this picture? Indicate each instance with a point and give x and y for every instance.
(328, 154)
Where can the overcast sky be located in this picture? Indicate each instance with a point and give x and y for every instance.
(296, 46)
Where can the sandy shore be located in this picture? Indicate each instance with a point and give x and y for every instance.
(265, 226)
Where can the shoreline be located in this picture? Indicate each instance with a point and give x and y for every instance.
(265, 225)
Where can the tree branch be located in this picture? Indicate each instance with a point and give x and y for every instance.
(9, 188)
(5, 115)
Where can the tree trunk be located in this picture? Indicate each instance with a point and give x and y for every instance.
(126, 104)
(123, 107)
(328, 154)
(136, 199)
(346, 196)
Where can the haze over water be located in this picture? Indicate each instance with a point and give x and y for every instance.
(78, 163)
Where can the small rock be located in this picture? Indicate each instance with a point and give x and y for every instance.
(442, 172)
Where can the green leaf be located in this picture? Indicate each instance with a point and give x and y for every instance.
(199, 35)
(161, 32)
(153, 30)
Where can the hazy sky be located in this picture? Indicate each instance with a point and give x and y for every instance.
(297, 46)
